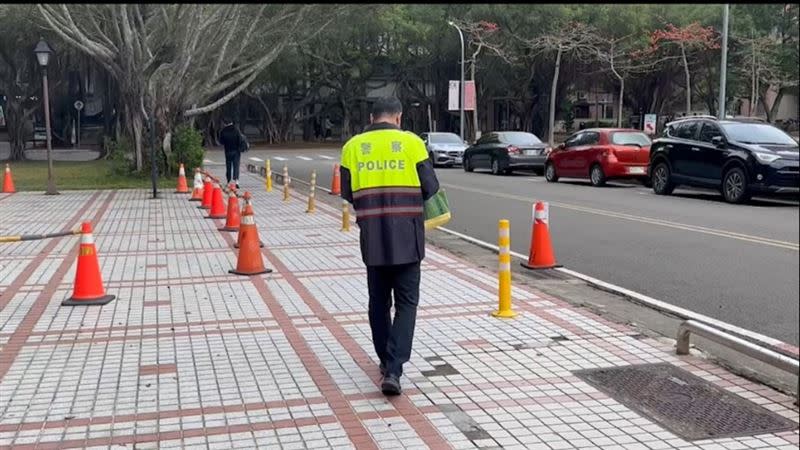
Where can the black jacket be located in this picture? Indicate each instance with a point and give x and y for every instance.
(391, 239)
(231, 138)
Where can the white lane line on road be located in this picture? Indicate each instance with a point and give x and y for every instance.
(325, 157)
(255, 159)
(665, 223)
(280, 158)
(208, 161)
(304, 158)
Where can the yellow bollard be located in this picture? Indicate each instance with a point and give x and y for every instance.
(345, 216)
(269, 176)
(285, 184)
(504, 271)
(311, 205)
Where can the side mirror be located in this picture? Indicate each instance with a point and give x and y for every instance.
(718, 141)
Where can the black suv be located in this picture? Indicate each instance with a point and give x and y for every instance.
(739, 157)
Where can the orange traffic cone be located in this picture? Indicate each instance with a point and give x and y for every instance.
(197, 192)
(247, 204)
(88, 288)
(232, 220)
(541, 252)
(336, 184)
(8, 182)
(217, 210)
(250, 261)
(208, 193)
(182, 187)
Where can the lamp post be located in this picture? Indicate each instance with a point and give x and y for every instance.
(460, 85)
(723, 68)
(43, 52)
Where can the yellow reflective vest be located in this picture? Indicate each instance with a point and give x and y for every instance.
(386, 175)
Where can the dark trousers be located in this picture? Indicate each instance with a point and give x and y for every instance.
(232, 166)
(392, 338)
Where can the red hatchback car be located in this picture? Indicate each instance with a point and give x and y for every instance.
(600, 154)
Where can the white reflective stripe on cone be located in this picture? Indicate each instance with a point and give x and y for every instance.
(181, 172)
(248, 220)
(87, 238)
(542, 214)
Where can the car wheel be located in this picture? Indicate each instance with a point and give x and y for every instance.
(661, 180)
(467, 165)
(734, 186)
(596, 175)
(496, 167)
(550, 173)
(433, 159)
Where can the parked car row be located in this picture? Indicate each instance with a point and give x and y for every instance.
(739, 157)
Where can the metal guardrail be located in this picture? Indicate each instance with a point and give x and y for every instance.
(747, 348)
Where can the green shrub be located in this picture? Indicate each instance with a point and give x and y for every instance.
(187, 148)
(120, 156)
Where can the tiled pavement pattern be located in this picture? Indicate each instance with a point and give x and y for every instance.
(189, 356)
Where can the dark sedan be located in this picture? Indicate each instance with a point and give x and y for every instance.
(506, 151)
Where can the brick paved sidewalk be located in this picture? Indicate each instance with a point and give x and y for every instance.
(189, 356)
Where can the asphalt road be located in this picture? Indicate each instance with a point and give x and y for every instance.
(736, 263)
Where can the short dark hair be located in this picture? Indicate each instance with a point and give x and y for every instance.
(386, 106)
(227, 120)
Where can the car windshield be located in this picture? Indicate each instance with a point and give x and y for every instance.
(520, 138)
(630, 138)
(757, 133)
(444, 138)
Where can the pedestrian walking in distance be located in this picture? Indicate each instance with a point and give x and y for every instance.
(235, 144)
(387, 176)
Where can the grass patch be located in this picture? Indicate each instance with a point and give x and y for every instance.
(79, 175)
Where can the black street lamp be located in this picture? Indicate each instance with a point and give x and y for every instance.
(43, 52)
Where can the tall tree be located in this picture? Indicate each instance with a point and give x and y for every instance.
(577, 40)
(178, 61)
(20, 78)
(690, 40)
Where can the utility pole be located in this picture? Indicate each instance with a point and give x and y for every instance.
(724, 63)
(461, 85)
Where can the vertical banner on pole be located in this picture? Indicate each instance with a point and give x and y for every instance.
(469, 96)
(452, 96)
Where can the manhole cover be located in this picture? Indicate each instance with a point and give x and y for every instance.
(683, 403)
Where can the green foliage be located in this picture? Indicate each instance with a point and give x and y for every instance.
(568, 112)
(187, 148)
(120, 156)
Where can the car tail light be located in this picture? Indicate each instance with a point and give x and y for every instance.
(512, 150)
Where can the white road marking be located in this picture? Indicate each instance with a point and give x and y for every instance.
(304, 158)
(280, 158)
(208, 161)
(650, 220)
(255, 159)
(325, 157)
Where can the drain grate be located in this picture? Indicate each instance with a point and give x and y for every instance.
(683, 403)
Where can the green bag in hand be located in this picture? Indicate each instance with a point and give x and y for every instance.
(437, 211)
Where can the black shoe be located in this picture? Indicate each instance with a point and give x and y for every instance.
(390, 385)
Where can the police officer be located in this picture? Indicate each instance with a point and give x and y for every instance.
(386, 175)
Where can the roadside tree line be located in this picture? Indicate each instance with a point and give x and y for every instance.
(168, 65)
